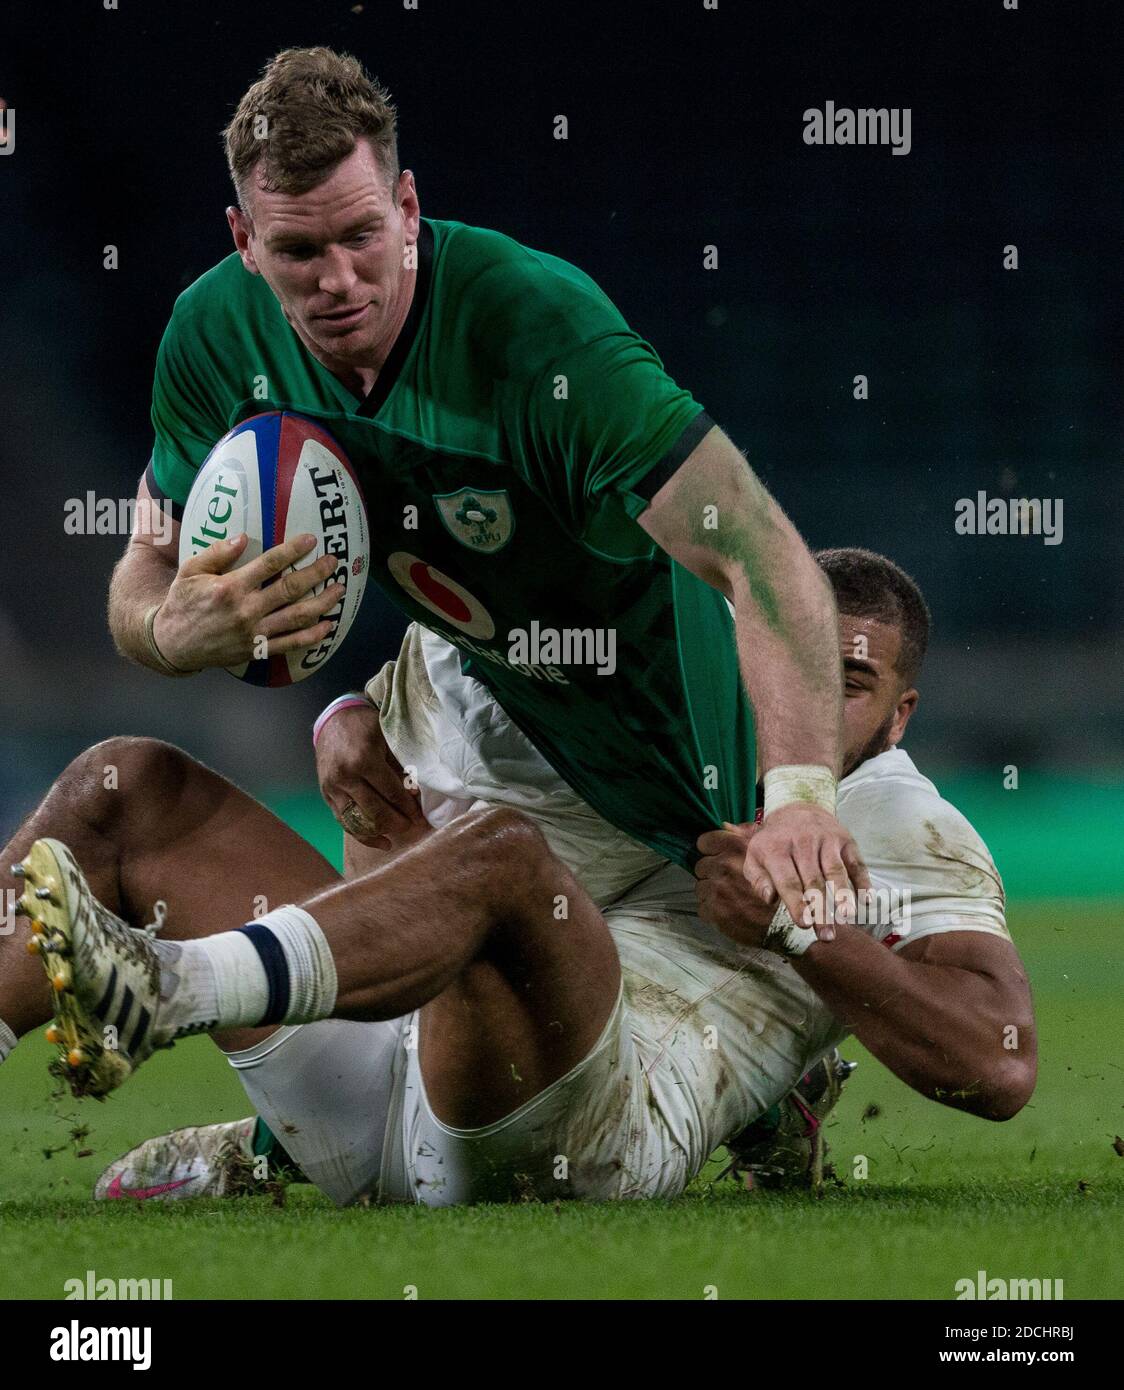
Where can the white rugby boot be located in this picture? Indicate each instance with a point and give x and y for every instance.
(201, 1161)
(104, 974)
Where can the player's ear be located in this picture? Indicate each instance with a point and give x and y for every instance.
(408, 201)
(907, 703)
(240, 229)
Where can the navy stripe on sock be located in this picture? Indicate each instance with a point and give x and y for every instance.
(276, 970)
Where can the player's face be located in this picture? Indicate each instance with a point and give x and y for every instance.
(876, 707)
(336, 258)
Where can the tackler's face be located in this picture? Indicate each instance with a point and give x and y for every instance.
(876, 703)
(337, 257)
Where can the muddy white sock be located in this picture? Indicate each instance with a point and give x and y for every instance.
(213, 983)
(8, 1040)
(278, 969)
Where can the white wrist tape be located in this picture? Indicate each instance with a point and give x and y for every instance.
(785, 937)
(805, 782)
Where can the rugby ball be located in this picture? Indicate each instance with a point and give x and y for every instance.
(275, 476)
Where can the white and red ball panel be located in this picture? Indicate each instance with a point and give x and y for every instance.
(276, 476)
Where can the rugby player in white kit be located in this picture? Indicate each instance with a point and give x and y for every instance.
(706, 1029)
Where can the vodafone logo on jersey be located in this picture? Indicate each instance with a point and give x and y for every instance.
(441, 595)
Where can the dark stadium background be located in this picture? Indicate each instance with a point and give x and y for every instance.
(685, 130)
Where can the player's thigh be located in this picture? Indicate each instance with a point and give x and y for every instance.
(530, 1008)
(212, 853)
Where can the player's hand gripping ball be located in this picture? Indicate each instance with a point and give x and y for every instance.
(274, 477)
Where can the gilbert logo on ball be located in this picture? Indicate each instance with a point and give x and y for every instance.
(276, 476)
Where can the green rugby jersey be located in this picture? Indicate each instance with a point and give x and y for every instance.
(514, 434)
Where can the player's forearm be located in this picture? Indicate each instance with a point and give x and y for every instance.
(717, 519)
(939, 1029)
(787, 640)
(142, 578)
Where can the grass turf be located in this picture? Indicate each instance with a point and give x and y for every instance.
(1041, 1196)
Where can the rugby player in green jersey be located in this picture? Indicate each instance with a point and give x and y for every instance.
(456, 366)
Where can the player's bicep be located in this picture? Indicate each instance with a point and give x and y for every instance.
(713, 514)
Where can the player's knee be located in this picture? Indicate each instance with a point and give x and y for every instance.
(506, 836)
(510, 850)
(108, 777)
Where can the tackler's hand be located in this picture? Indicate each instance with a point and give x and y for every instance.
(363, 782)
(725, 897)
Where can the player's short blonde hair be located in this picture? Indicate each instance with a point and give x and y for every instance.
(302, 116)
